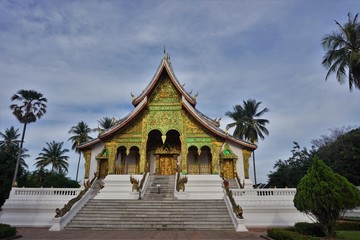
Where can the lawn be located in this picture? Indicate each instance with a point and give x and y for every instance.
(353, 235)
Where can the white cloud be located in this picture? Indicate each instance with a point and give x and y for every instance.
(86, 57)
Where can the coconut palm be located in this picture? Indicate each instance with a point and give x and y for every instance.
(10, 145)
(343, 52)
(53, 155)
(106, 123)
(9, 139)
(81, 134)
(248, 124)
(31, 107)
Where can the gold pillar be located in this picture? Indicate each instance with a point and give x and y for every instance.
(246, 157)
(112, 157)
(87, 156)
(142, 152)
(157, 164)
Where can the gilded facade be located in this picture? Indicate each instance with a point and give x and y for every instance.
(165, 133)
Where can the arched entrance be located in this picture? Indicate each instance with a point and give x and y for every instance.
(127, 163)
(163, 152)
(199, 162)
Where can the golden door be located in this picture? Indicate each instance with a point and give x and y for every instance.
(167, 165)
(228, 168)
(104, 168)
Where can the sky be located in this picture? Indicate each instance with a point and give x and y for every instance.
(87, 57)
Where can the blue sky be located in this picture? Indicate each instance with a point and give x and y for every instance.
(87, 57)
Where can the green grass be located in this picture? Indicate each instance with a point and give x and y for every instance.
(352, 235)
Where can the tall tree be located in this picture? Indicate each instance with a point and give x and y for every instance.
(106, 123)
(30, 108)
(248, 124)
(325, 195)
(81, 134)
(53, 155)
(343, 52)
(10, 140)
(288, 172)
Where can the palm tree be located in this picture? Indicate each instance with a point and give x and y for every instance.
(106, 123)
(248, 124)
(10, 145)
(32, 107)
(343, 52)
(81, 134)
(10, 139)
(53, 155)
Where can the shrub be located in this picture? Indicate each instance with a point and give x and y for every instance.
(325, 195)
(284, 234)
(311, 229)
(7, 231)
(348, 226)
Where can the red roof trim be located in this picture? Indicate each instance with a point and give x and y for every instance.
(164, 65)
(214, 130)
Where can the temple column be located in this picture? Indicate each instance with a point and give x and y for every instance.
(143, 154)
(246, 157)
(87, 156)
(215, 159)
(112, 157)
(157, 164)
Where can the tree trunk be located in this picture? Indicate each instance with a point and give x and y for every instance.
(19, 156)
(77, 170)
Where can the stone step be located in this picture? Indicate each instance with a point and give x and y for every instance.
(155, 212)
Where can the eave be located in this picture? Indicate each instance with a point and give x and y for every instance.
(165, 65)
(215, 130)
(123, 122)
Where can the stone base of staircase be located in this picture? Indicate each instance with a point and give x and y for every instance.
(158, 210)
(153, 215)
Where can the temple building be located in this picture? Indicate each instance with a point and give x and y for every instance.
(188, 173)
(165, 133)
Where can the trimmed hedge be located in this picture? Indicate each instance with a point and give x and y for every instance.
(348, 226)
(284, 234)
(311, 229)
(7, 231)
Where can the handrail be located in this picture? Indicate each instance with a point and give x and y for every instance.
(265, 192)
(238, 181)
(180, 181)
(238, 211)
(67, 206)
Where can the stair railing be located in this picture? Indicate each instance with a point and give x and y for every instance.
(143, 184)
(64, 215)
(180, 181)
(238, 211)
(238, 181)
(235, 211)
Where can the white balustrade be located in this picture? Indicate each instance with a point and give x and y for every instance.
(269, 192)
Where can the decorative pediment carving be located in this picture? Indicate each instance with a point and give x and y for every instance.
(104, 154)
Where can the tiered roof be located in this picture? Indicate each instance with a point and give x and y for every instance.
(188, 103)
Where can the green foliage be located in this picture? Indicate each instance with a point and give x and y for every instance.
(342, 52)
(6, 231)
(325, 195)
(289, 172)
(342, 154)
(340, 151)
(248, 125)
(348, 235)
(348, 226)
(53, 155)
(44, 178)
(7, 167)
(311, 229)
(284, 234)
